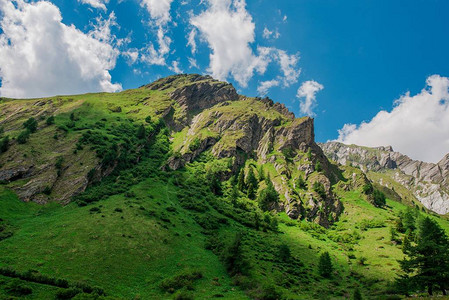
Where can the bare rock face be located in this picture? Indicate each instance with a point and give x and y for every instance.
(428, 182)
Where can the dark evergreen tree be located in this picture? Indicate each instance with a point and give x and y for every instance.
(233, 257)
(267, 196)
(301, 183)
(141, 132)
(379, 199)
(261, 173)
(148, 119)
(234, 195)
(251, 193)
(241, 180)
(318, 187)
(284, 253)
(427, 264)
(318, 167)
(325, 267)
(251, 179)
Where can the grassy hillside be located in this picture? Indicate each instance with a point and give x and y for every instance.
(115, 222)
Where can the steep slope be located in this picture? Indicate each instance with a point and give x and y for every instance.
(91, 134)
(426, 182)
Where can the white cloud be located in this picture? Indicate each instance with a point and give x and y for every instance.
(288, 66)
(155, 56)
(41, 56)
(159, 10)
(101, 4)
(267, 34)
(175, 67)
(264, 86)
(229, 30)
(191, 40)
(417, 125)
(193, 63)
(307, 92)
(131, 55)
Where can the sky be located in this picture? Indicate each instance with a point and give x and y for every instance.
(372, 72)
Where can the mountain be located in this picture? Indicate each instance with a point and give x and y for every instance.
(184, 189)
(412, 180)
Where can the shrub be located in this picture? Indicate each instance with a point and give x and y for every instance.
(318, 187)
(4, 144)
(362, 260)
(30, 124)
(182, 280)
(268, 196)
(47, 190)
(301, 183)
(368, 189)
(284, 253)
(50, 120)
(118, 210)
(23, 137)
(67, 293)
(318, 167)
(379, 199)
(195, 144)
(16, 288)
(148, 119)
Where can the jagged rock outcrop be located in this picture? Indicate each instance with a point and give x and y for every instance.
(428, 182)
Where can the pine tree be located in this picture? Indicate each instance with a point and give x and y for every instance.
(261, 173)
(251, 179)
(427, 265)
(251, 193)
(325, 267)
(141, 132)
(318, 167)
(241, 181)
(268, 195)
(234, 195)
(301, 183)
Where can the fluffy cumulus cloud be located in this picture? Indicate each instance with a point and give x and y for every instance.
(159, 11)
(267, 34)
(228, 29)
(417, 125)
(264, 86)
(101, 4)
(41, 56)
(307, 95)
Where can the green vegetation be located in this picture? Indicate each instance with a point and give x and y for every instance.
(325, 267)
(217, 227)
(427, 262)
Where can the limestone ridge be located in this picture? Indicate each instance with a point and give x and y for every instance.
(213, 117)
(428, 182)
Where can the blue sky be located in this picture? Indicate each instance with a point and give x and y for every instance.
(347, 62)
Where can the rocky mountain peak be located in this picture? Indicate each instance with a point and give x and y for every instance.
(428, 182)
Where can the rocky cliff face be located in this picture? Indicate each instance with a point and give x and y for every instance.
(428, 182)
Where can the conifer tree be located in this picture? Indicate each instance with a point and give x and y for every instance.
(241, 181)
(325, 267)
(251, 193)
(251, 179)
(427, 265)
